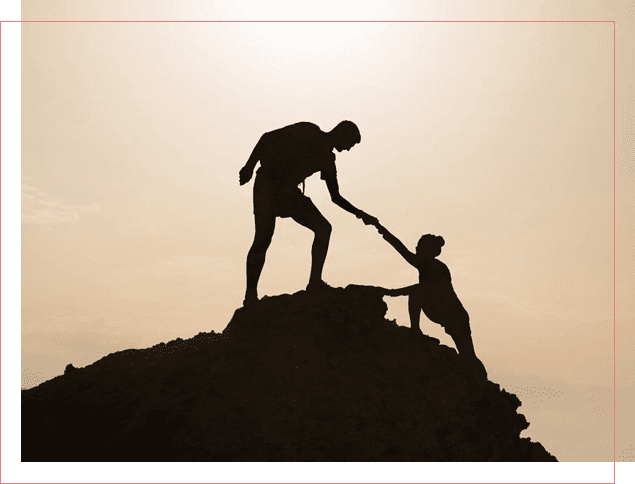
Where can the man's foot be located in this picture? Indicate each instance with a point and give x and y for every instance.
(250, 299)
(416, 333)
(317, 286)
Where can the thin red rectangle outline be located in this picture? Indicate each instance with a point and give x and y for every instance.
(385, 21)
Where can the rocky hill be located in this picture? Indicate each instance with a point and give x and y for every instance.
(299, 377)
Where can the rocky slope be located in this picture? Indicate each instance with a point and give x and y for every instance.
(297, 377)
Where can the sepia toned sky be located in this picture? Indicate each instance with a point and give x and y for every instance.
(497, 136)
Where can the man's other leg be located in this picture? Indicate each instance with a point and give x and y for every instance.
(265, 225)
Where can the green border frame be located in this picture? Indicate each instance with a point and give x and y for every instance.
(16, 471)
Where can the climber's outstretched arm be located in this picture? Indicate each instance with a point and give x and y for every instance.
(411, 258)
(404, 291)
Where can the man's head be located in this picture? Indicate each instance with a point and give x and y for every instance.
(345, 135)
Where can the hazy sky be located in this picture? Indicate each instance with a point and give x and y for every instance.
(497, 136)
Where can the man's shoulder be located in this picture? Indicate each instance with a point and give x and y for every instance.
(302, 128)
(305, 125)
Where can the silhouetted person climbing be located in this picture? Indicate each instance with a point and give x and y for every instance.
(287, 157)
(434, 295)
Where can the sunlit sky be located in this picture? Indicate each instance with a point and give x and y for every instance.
(497, 136)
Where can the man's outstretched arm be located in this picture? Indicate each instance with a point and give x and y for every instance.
(247, 171)
(340, 201)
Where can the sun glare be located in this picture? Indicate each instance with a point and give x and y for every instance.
(308, 35)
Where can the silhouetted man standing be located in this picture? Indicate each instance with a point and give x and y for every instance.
(287, 157)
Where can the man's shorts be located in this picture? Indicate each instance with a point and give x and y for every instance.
(273, 199)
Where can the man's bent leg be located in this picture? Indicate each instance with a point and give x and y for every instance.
(310, 217)
(265, 225)
(319, 250)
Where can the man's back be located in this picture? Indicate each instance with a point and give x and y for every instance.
(292, 153)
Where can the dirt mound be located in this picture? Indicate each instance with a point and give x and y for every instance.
(302, 377)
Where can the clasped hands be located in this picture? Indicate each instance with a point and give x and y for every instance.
(367, 219)
(370, 220)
